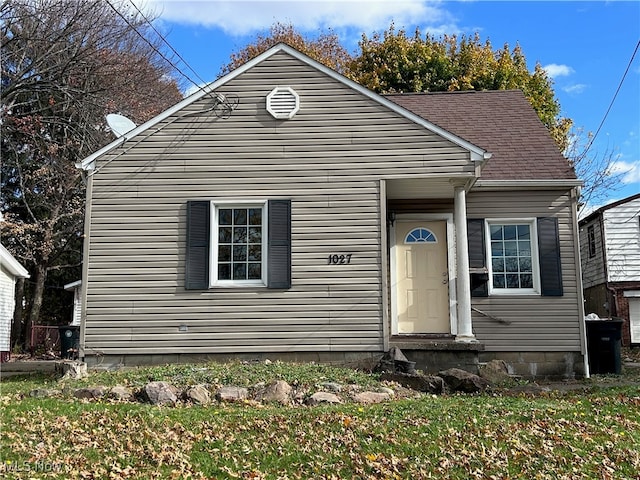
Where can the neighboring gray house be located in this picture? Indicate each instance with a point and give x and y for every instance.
(610, 253)
(10, 271)
(313, 219)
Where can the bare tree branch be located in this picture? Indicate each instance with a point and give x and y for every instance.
(65, 65)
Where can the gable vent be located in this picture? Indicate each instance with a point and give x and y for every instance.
(283, 102)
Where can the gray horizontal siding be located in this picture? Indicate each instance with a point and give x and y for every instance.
(536, 323)
(327, 160)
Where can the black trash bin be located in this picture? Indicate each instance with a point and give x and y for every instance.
(69, 341)
(604, 340)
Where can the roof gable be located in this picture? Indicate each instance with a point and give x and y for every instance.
(476, 153)
(500, 121)
(609, 206)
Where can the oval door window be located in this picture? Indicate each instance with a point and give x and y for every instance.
(420, 235)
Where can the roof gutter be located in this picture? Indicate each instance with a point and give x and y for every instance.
(11, 264)
(529, 184)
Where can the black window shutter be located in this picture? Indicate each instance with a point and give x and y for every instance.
(279, 244)
(549, 250)
(477, 257)
(198, 241)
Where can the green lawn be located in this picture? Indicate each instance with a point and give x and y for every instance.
(552, 435)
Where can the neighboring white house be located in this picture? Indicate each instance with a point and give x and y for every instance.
(10, 270)
(77, 304)
(610, 254)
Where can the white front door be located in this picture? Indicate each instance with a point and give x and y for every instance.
(422, 277)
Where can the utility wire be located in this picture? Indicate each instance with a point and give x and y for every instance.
(155, 49)
(223, 104)
(168, 44)
(613, 99)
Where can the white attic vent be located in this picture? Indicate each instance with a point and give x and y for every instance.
(283, 102)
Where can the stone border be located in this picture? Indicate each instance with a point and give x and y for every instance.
(401, 385)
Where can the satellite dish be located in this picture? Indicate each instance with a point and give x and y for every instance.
(119, 124)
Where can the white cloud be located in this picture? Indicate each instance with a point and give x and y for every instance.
(554, 70)
(245, 17)
(630, 171)
(575, 89)
(193, 89)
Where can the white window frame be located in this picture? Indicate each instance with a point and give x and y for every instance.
(535, 257)
(216, 205)
(433, 235)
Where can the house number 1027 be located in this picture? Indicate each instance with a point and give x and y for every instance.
(335, 259)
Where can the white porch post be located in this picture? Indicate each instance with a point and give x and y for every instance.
(463, 282)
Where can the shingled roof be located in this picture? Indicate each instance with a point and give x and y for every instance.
(499, 121)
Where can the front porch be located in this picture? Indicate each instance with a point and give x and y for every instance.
(428, 292)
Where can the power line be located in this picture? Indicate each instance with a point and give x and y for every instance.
(613, 99)
(155, 49)
(168, 44)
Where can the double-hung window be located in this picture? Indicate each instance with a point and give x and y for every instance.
(238, 244)
(239, 247)
(515, 256)
(512, 250)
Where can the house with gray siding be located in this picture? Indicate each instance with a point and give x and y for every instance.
(610, 254)
(284, 211)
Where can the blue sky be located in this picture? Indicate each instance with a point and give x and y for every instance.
(586, 48)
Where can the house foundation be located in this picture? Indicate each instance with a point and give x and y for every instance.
(540, 365)
(429, 357)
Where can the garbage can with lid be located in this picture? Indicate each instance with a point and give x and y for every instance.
(604, 340)
(69, 341)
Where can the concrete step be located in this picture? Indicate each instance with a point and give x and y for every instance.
(27, 367)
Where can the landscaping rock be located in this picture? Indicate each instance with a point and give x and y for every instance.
(90, 393)
(323, 397)
(495, 372)
(232, 394)
(121, 393)
(420, 383)
(160, 393)
(258, 387)
(44, 393)
(198, 394)
(72, 370)
(299, 395)
(395, 361)
(352, 388)
(388, 391)
(371, 397)
(276, 392)
(332, 387)
(459, 380)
